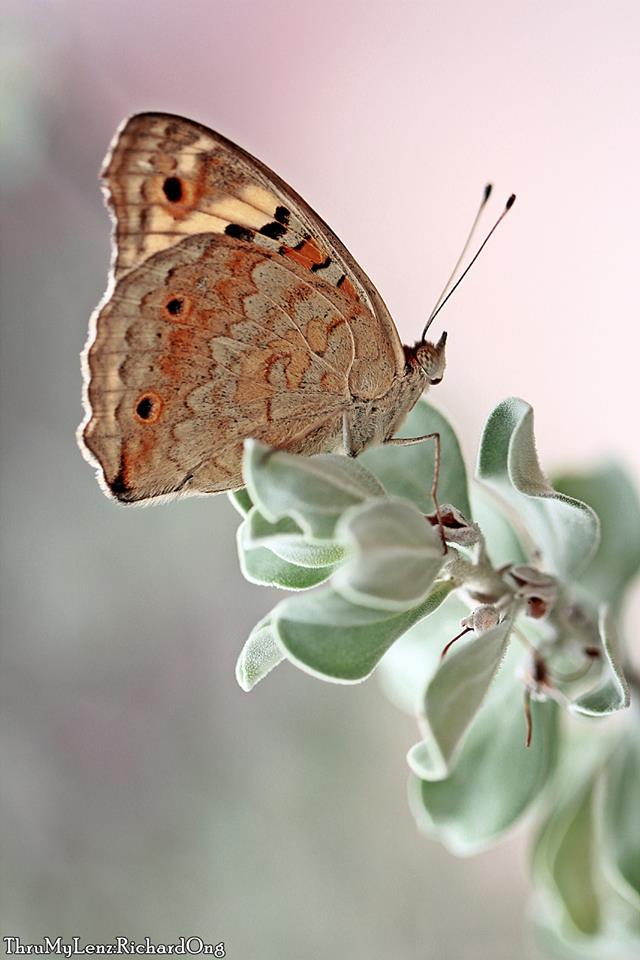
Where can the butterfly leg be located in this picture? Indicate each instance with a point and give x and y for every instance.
(409, 441)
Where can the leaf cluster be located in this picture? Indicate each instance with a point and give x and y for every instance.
(494, 620)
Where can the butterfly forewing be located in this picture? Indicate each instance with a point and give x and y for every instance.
(168, 178)
(234, 312)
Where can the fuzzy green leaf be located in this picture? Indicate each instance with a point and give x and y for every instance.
(621, 816)
(260, 654)
(240, 500)
(407, 472)
(585, 908)
(610, 492)
(287, 541)
(262, 566)
(410, 663)
(617, 938)
(395, 555)
(454, 696)
(612, 691)
(502, 542)
(494, 779)
(314, 491)
(565, 862)
(331, 638)
(566, 530)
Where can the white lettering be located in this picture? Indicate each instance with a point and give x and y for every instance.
(123, 945)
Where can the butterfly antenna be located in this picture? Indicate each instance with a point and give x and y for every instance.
(510, 202)
(483, 203)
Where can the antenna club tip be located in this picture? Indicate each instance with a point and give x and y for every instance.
(510, 201)
(487, 192)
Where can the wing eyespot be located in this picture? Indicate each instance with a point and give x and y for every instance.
(148, 407)
(178, 307)
(172, 189)
(174, 306)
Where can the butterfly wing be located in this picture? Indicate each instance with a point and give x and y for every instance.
(233, 311)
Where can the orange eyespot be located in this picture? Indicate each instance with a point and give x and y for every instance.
(148, 407)
(172, 189)
(178, 307)
(177, 195)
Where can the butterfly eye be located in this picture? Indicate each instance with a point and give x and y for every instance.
(148, 407)
(172, 189)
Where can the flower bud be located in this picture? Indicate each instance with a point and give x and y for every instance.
(481, 619)
(457, 529)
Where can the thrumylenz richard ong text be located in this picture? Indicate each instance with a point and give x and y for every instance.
(121, 946)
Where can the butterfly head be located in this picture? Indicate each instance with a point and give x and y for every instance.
(431, 358)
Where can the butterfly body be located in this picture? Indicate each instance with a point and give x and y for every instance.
(232, 311)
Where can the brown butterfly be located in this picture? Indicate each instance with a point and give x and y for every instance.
(232, 311)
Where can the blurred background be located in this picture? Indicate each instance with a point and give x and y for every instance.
(142, 792)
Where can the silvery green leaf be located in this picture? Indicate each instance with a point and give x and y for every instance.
(314, 491)
(579, 907)
(260, 654)
(566, 862)
(494, 778)
(612, 691)
(240, 500)
(454, 696)
(287, 541)
(407, 472)
(610, 492)
(502, 543)
(409, 664)
(394, 555)
(260, 565)
(331, 638)
(618, 939)
(621, 816)
(565, 529)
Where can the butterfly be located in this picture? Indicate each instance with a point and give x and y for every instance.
(232, 311)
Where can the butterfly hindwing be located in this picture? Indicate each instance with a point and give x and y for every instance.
(204, 345)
